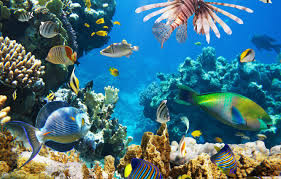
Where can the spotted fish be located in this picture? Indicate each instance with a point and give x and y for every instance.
(48, 29)
(231, 109)
(58, 126)
(225, 160)
(141, 169)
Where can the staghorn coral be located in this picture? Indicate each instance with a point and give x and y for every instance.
(4, 111)
(18, 68)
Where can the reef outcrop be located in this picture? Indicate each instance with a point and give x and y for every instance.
(208, 73)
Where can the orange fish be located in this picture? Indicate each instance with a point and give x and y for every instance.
(62, 55)
(114, 71)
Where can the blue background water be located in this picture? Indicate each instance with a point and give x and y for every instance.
(140, 69)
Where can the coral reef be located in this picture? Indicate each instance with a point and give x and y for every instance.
(19, 68)
(253, 158)
(259, 82)
(4, 111)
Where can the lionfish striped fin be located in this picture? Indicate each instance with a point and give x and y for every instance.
(225, 27)
(181, 34)
(233, 6)
(160, 11)
(152, 6)
(213, 26)
(162, 32)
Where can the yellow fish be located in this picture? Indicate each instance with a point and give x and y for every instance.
(14, 95)
(88, 4)
(92, 34)
(105, 27)
(185, 176)
(86, 25)
(100, 21)
(247, 56)
(197, 43)
(101, 33)
(51, 96)
(114, 71)
(116, 23)
(74, 82)
(218, 139)
(196, 133)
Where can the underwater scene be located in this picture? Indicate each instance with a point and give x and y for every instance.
(151, 89)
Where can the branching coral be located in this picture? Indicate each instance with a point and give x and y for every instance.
(4, 111)
(18, 68)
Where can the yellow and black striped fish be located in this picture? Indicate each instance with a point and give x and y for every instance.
(74, 82)
(225, 160)
(48, 29)
(141, 169)
(162, 113)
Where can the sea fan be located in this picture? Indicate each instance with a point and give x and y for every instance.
(177, 13)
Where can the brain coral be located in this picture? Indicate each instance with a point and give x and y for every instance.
(18, 68)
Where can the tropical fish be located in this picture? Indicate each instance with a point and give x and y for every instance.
(58, 126)
(119, 49)
(74, 82)
(197, 43)
(25, 17)
(105, 5)
(116, 23)
(86, 25)
(185, 120)
(162, 113)
(247, 56)
(196, 133)
(51, 96)
(231, 109)
(62, 55)
(261, 136)
(48, 29)
(245, 137)
(239, 134)
(14, 95)
(177, 13)
(182, 147)
(141, 169)
(100, 21)
(88, 4)
(265, 42)
(219, 140)
(105, 27)
(225, 160)
(185, 176)
(100, 33)
(266, 1)
(114, 72)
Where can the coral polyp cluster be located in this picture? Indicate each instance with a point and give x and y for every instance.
(4, 111)
(17, 67)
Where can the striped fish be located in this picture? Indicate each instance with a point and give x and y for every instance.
(74, 82)
(48, 29)
(24, 17)
(62, 55)
(225, 160)
(162, 113)
(247, 56)
(141, 169)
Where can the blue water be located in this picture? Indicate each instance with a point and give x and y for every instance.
(140, 69)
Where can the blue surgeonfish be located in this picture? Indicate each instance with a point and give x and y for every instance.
(58, 126)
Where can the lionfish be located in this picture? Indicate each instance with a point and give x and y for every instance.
(177, 13)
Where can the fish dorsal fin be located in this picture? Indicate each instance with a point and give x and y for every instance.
(125, 42)
(46, 110)
(237, 118)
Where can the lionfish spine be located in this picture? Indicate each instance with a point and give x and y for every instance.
(232, 5)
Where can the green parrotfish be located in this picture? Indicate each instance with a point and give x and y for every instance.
(230, 108)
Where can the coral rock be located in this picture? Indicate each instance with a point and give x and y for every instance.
(4, 111)
(109, 167)
(18, 69)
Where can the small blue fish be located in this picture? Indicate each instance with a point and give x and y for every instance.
(141, 169)
(58, 126)
(225, 160)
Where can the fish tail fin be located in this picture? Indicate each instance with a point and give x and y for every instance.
(31, 134)
(162, 32)
(186, 95)
(74, 57)
(135, 48)
(277, 48)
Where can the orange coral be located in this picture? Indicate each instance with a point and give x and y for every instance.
(109, 167)
(98, 171)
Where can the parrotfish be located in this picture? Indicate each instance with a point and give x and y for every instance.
(141, 169)
(58, 126)
(225, 160)
(230, 108)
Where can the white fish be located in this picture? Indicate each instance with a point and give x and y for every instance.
(48, 29)
(24, 17)
(261, 136)
(119, 49)
(182, 147)
(266, 1)
(162, 113)
(105, 5)
(185, 120)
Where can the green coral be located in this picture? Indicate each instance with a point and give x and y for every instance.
(5, 12)
(42, 2)
(55, 7)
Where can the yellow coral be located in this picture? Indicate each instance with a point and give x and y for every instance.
(109, 166)
(4, 111)
(17, 67)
